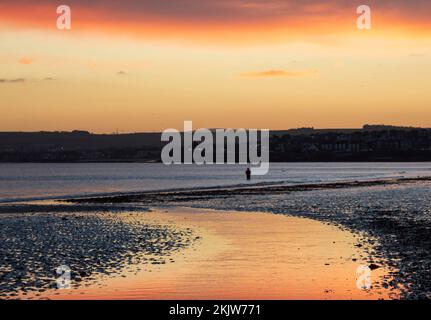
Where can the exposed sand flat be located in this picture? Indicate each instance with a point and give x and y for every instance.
(158, 197)
(33, 246)
(243, 256)
(395, 211)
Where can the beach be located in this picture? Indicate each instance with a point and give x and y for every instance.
(223, 255)
(260, 241)
(34, 245)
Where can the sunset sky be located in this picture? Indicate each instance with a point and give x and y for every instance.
(141, 65)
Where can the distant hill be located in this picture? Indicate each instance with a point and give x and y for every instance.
(369, 143)
(367, 127)
(76, 140)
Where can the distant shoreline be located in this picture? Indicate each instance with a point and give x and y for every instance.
(158, 161)
(369, 144)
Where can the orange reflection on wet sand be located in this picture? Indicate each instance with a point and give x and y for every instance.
(243, 255)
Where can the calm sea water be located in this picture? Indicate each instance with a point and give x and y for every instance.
(31, 181)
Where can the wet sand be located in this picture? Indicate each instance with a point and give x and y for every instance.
(155, 198)
(395, 211)
(242, 256)
(90, 245)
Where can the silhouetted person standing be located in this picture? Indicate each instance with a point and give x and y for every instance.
(248, 174)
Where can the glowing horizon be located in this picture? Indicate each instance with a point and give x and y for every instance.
(140, 66)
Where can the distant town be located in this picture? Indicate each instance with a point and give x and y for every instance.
(369, 143)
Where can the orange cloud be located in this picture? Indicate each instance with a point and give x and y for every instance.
(25, 61)
(283, 73)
